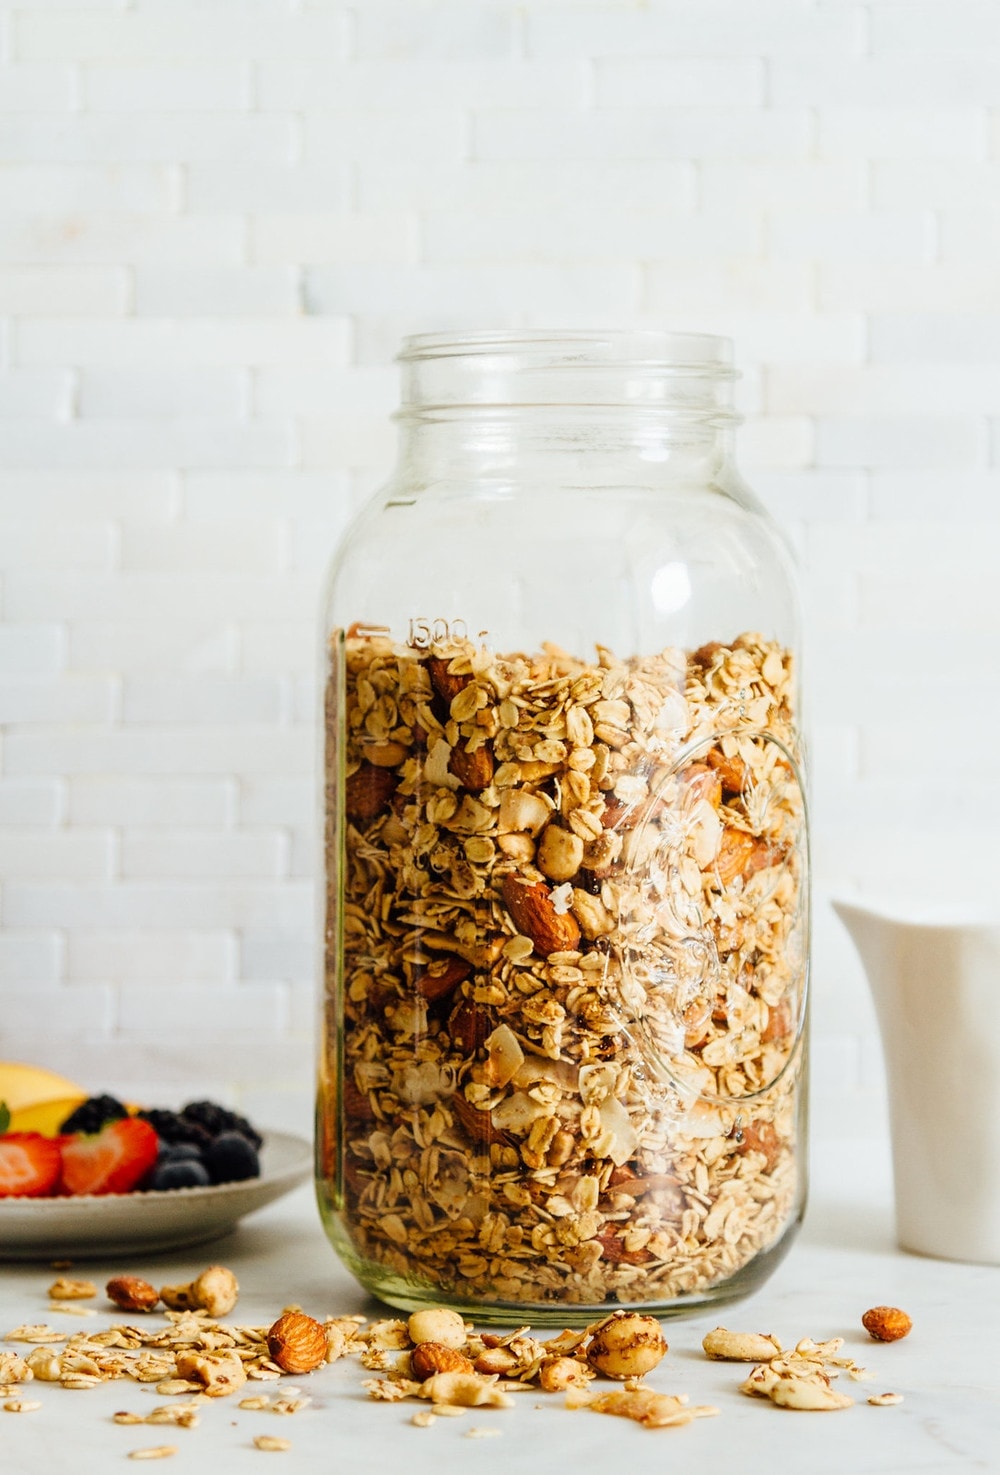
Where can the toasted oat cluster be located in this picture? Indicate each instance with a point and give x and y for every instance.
(566, 935)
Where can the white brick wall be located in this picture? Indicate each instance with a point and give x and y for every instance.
(216, 221)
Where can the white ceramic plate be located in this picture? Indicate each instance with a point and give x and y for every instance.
(95, 1225)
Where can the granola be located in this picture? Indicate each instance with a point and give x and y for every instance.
(565, 969)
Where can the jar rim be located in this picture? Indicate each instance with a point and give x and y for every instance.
(661, 350)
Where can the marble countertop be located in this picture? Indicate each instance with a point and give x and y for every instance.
(844, 1261)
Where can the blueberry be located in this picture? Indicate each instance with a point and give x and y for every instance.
(231, 1158)
(178, 1173)
(180, 1152)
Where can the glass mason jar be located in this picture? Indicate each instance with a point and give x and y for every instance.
(566, 892)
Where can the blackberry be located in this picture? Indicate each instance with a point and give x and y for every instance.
(91, 1115)
(177, 1173)
(171, 1127)
(231, 1158)
(215, 1119)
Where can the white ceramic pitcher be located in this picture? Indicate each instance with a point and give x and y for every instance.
(936, 987)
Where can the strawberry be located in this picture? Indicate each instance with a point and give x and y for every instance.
(29, 1165)
(113, 1160)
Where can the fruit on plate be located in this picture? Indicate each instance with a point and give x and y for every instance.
(102, 1145)
(113, 1160)
(30, 1165)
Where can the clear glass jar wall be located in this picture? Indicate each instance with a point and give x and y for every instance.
(566, 868)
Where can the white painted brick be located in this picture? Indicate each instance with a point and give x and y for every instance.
(188, 854)
(963, 337)
(142, 904)
(690, 81)
(287, 801)
(290, 391)
(28, 649)
(276, 646)
(247, 1008)
(884, 389)
(61, 494)
(88, 186)
(149, 138)
(948, 289)
(815, 185)
(79, 1012)
(369, 136)
(36, 542)
(782, 291)
(458, 32)
(154, 596)
(249, 291)
(642, 133)
(163, 801)
(55, 853)
(29, 957)
(145, 443)
(36, 802)
(171, 958)
(269, 953)
(345, 439)
(455, 238)
(213, 496)
(116, 238)
(148, 391)
(710, 28)
(313, 544)
(193, 700)
(34, 394)
(309, 85)
(140, 644)
(887, 80)
(51, 291)
(215, 751)
(906, 184)
(215, 88)
(334, 239)
(182, 35)
(888, 600)
(480, 294)
(26, 89)
(226, 548)
(971, 234)
(807, 496)
(776, 442)
(321, 184)
(926, 25)
(903, 440)
(901, 495)
(64, 700)
(525, 184)
(883, 237)
(244, 342)
(903, 133)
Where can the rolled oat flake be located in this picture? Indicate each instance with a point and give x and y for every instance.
(565, 894)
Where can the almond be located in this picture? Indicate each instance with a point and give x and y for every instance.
(470, 1025)
(760, 1137)
(703, 783)
(534, 915)
(357, 1106)
(441, 978)
(433, 1357)
(368, 791)
(473, 770)
(445, 682)
(733, 772)
(297, 1343)
(477, 1124)
(779, 1023)
(886, 1323)
(131, 1293)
